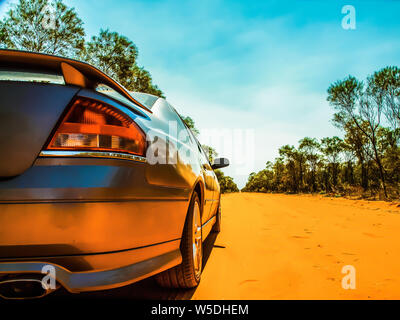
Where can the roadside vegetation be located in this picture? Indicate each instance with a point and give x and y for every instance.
(226, 182)
(365, 163)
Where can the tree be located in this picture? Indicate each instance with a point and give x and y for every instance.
(331, 149)
(292, 161)
(388, 146)
(357, 143)
(310, 147)
(112, 53)
(210, 152)
(354, 104)
(278, 169)
(49, 26)
(191, 125)
(387, 82)
(226, 183)
(349, 158)
(140, 80)
(261, 181)
(368, 157)
(42, 26)
(116, 55)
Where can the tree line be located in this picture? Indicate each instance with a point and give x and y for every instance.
(366, 161)
(49, 26)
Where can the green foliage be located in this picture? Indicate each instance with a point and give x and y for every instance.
(210, 152)
(191, 125)
(42, 26)
(116, 56)
(387, 83)
(364, 106)
(366, 161)
(140, 80)
(49, 26)
(226, 183)
(112, 53)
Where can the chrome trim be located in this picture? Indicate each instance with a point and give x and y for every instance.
(76, 282)
(92, 154)
(212, 219)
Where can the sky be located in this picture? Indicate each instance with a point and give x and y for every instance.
(255, 70)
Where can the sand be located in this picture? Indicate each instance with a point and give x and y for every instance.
(295, 246)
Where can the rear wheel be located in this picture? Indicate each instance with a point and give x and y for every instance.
(187, 274)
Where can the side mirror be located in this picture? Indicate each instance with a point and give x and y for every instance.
(220, 163)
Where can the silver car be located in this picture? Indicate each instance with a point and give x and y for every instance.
(99, 187)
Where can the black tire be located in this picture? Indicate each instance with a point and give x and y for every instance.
(217, 225)
(184, 275)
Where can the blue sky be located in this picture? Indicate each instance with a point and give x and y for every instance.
(260, 65)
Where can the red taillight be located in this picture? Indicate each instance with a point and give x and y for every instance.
(93, 125)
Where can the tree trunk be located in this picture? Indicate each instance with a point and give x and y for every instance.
(381, 170)
(351, 174)
(301, 176)
(364, 175)
(314, 186)
(334, 174)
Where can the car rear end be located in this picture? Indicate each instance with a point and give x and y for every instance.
(75, 193)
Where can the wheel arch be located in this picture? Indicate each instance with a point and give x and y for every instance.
(199, 189)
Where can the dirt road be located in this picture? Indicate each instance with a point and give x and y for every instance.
(291, 247)
(294, 247)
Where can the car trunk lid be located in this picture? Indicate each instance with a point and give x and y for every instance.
(29, 111)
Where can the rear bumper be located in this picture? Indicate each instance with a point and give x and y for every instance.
(87, 228)
(101, 223)
(87, 206)
(93, 280)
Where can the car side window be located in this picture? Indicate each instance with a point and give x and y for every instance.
(203, 155)
(193, 140)
(182, 126)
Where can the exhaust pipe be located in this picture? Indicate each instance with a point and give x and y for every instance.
(24, 287)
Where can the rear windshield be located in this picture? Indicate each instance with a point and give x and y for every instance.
(104, 89)
(145, 99)
(30, 76)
